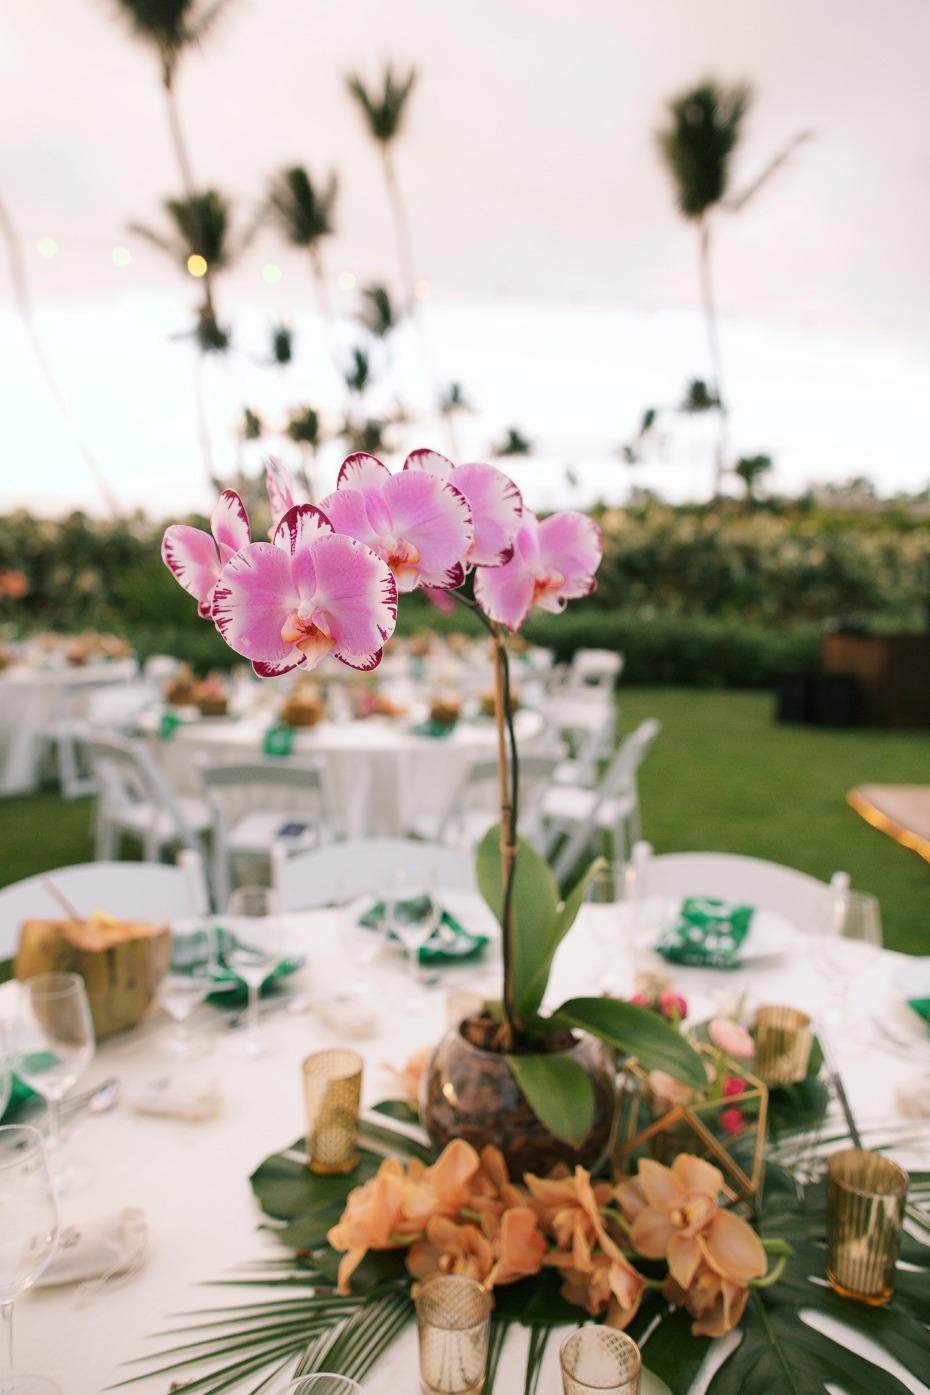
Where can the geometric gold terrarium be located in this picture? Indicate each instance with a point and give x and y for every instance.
(654, 1127)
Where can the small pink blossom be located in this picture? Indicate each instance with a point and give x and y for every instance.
(734, 1086)
(553, 562)
(732, 1120)
(196, 559)
(731, 1038)
(639, 998)
(672, 1004)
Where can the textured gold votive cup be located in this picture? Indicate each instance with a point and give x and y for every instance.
(600, 1358)
(332, 1087)
(865, 1210)
(783, 1045)
(453, 1320)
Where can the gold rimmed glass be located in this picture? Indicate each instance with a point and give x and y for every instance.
(866, 1193)
(783, 1045)
(332, 1088)
(600, 1359)
(453, 1321)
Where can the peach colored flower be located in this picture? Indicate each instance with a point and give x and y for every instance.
(519, 1245)
(599, 1279)
(717, 1303)
(407, 1079)
(682, 1224)
(731, 1038)
(373, 1219)
(667, 1092)
(569, 1207)
(449, 1248)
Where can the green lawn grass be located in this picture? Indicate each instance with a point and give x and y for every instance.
(722, 776)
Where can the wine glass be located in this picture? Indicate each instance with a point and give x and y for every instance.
(28, 1234)
(255, 952)
(186, 984)
(55, 1045)
(412, 911)
(846, 944)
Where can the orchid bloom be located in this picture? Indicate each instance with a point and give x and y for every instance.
(495, 502)
(308, 593)
(448, 1248)
(280, 489)
(554, 561)
(196, 559)
(418, 523)
(675, 1217)
(717, 1303)
(732, 1038)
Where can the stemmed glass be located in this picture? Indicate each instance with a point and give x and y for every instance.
(186, 984)
(28, 1234)
(412, 911)
(846, 944)
(55, 1045)
(255, 952)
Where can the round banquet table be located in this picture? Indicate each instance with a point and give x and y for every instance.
(191, 1179)
(32, 699)
(382, 772)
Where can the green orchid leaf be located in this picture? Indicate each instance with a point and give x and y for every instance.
(635, 1031)
(559, 1092)
(535, 906)
(528, 1002)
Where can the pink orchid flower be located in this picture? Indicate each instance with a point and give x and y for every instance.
(553, 562)
(280, 489)
(495, 502)
(308, 593)
(196, 559)
(418, 523)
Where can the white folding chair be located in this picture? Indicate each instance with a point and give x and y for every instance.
(134, 797)
(474, 805)
(328, 876)
(587, 727)
(137, 891)
(257, 804)
(797, 896)
(575, 817)
(592, 670)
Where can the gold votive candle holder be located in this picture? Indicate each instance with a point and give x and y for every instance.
(600, 1358)
(332, 1088)
(783, 1045)
(865, 1211)
(453, 1322)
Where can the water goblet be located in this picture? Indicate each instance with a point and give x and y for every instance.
(28, 1234)
(55, 1045)
(186, 984)
(255, 952)
(412, 912)
(847, 941)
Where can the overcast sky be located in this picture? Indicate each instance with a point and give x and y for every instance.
(563, 288)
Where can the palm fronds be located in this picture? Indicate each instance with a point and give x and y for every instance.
(384, 111)
(697, 145)
(302, 210)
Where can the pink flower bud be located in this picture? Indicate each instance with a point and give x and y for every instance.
(670, 1003)
(639, 998)
(732, 1121)
(731, 1038)
(734, 1085)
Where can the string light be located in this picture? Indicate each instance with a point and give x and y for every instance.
(422, 289)
(47, 246)
(346, 280)
(196, 264)
(271, 273)
(121, 256)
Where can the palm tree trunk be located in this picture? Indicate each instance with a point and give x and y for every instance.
(24, 306)
(177, 133)
(203, 429)
(716, 358)
(402, 230)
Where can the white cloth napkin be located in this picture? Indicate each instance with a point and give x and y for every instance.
(180, 1098)
(98, 1253)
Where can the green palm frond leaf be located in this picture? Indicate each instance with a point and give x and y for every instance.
(384, 111)
(302, 210)
(699, 141)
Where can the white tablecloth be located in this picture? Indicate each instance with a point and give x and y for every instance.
(191, 1180)
(382, 772)
(32, 700)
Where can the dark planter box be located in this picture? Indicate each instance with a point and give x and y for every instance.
(892, 675)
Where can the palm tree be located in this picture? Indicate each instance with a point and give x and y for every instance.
(384, 112)
(514, 443)
(304, 215)
(452, 401)
(697, 147)
(171, 27)
(200, 228)
(378, 314)
(750, 469)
